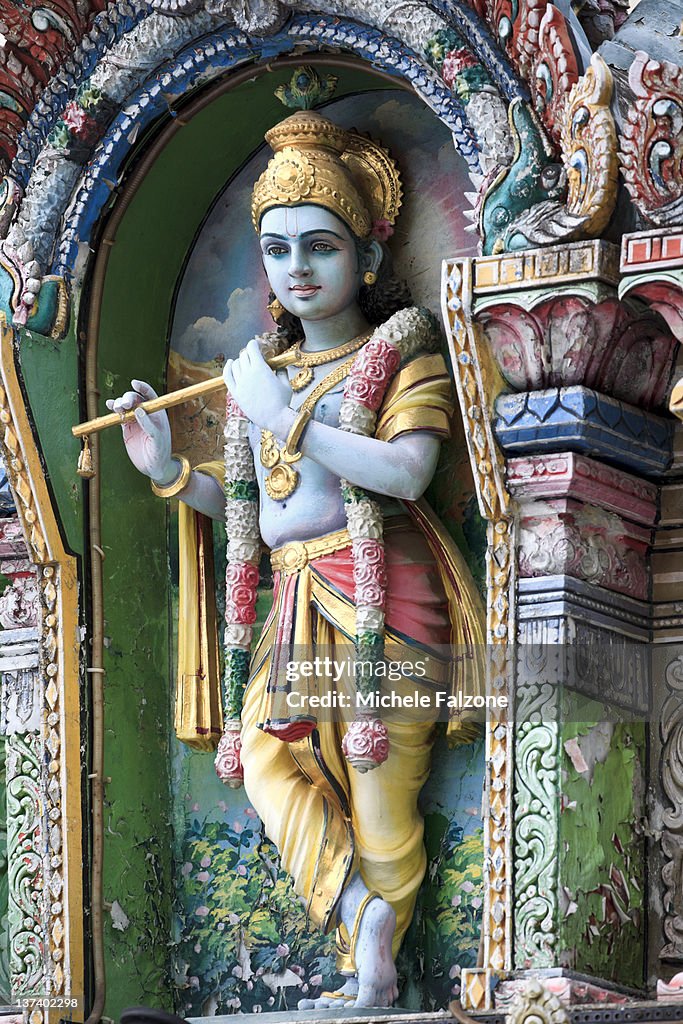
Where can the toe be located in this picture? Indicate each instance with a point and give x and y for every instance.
(306, 1004)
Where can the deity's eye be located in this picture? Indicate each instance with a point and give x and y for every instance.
(323, 247)
(274, 250)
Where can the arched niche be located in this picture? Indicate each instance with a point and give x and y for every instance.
(159, 816)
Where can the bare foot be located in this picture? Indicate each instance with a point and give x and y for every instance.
(344, 996)
(375, 964)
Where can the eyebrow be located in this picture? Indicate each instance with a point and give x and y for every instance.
(304, 234)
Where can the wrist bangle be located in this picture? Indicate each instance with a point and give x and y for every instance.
(179, 484)
(295, 434)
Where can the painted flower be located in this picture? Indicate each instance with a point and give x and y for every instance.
(454, 63)
(80, 124)
(186, 869)
(282, 949)
(367, 739)
(365, 574)
(368, 552)
(246, 575)
(205, 861)
(364, 391)
(316, 979)
(202, 911)
(382, 230)
(203, 876)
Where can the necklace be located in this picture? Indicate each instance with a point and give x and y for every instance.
(307, 360)
(283, 479)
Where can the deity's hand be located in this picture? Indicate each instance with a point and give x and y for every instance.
(148, 437)
(258, 391)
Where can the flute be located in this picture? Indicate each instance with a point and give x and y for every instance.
(113, 419)
(205, 387)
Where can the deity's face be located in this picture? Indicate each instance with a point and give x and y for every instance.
(312, 260)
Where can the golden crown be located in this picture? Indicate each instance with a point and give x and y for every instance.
(316, 161)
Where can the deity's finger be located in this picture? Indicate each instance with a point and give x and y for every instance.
(126, 402)
(144, 389)
(229, 377)
(147, 424)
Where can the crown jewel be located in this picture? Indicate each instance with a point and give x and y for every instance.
(316, 161)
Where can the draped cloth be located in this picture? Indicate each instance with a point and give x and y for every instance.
(326, 819)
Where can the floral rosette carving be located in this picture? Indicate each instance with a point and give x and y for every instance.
(228, 760)
(652, 140)
(366, 743)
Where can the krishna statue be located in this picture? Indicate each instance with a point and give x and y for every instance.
(333, 429)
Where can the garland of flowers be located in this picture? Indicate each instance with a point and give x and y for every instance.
(241, 583)
(366, 743)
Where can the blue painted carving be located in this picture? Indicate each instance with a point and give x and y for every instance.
(578, 419)
(122, 17)
(107, 28)
(220, 52)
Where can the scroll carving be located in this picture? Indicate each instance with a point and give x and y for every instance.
(672, 836)
(652, 141)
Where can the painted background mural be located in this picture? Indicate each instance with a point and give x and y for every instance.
(242, 943)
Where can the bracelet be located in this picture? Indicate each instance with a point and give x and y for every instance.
(180, 482)
(298, 426)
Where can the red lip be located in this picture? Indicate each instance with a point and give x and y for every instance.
(305, 289)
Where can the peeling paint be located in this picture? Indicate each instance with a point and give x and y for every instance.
(603, 862)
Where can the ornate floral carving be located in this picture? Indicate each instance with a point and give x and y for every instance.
(589, 154)
(477, 383)
(537, 766)
(536, 37)
(19, 604)
(652, 140)
(565, 538)
(618, 349)
(25, 845)
(535, 1004)
(671, 766)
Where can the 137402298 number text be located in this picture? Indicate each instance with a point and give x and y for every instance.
(48, 1002)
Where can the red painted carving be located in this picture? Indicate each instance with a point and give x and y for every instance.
(620, 350)
(554, 70)
(41, 35)
(652, 140)
(538, 42)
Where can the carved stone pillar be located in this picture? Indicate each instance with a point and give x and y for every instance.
(652, 267)
(579, 413)
(20, 723)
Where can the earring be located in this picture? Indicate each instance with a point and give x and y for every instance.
(276, 309)
(369, 277)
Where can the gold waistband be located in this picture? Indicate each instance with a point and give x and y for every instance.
(294, 556)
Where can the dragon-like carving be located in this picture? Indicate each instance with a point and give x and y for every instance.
(554, 70)
(589, 154)
(536, 37)
(652, 140)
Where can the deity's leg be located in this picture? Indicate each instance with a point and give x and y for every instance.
(303, 809)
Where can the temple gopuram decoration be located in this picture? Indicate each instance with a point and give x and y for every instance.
(534, 151)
